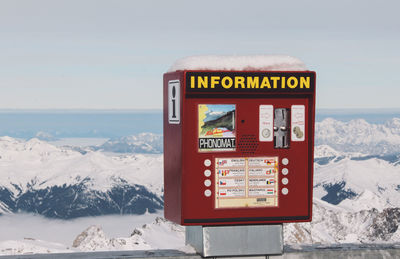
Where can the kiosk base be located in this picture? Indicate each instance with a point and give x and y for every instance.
(246, 240)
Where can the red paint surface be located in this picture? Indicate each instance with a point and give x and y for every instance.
(184, 199)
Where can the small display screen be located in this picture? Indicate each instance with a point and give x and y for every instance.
(242, 182)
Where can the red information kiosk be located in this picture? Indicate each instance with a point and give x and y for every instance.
(238, 147)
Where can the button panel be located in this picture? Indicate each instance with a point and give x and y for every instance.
(285, 180)
(207, 182)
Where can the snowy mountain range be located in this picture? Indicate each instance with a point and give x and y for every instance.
(356, 185)
(141, 143)
(359, 136)
(332, 225)
(62, 183)
(355, 136)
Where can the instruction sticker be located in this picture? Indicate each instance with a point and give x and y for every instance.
(235, 182)
(298, 123)
(231, 162)
(231, 173)
(261, 181)
(217, 127)
(266, 123)
(261, 171)
(232, 192)
(261, 161)
(246, 182)
(261, 191)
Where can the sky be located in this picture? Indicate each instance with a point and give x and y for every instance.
(97, 54)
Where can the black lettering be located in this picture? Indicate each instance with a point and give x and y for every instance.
(276, 82)
(217, 143)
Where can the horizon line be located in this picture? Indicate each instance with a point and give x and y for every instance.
(160, 110)
(57, 110)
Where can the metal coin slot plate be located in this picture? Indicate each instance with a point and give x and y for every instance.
(281, 128)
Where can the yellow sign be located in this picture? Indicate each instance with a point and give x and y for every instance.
(250, 82)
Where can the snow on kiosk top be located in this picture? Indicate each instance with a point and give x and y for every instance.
(239, 63)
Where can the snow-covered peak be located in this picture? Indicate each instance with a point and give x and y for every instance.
(45, 136)
(94, 239)
(141, 143)
(160, 230)
(5, 139)
(37, 164)
(90, 237)
(359, 136)
(160, 234)
(367, 200)
(325, 151)
(330, 226)
(394, 125)
(359, 184)
(239, 63)
(31, 151)
(39, 145)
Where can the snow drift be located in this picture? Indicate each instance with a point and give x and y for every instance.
(239, 63)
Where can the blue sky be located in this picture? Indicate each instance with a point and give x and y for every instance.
(112, 54)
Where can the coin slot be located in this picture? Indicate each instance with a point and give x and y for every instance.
(281, 128)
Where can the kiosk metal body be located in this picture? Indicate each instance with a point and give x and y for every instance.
(238, 147)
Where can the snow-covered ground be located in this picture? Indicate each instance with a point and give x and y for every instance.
(21, 226)
(27, 234)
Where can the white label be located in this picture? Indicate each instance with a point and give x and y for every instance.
(231, 173)
(261, 181)
(266, 123)
(236, 182)
(261, 161)
(174, 99)
(232, 192)
(230, 162)
(298, 123)
(261, 191)
(261, 171)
